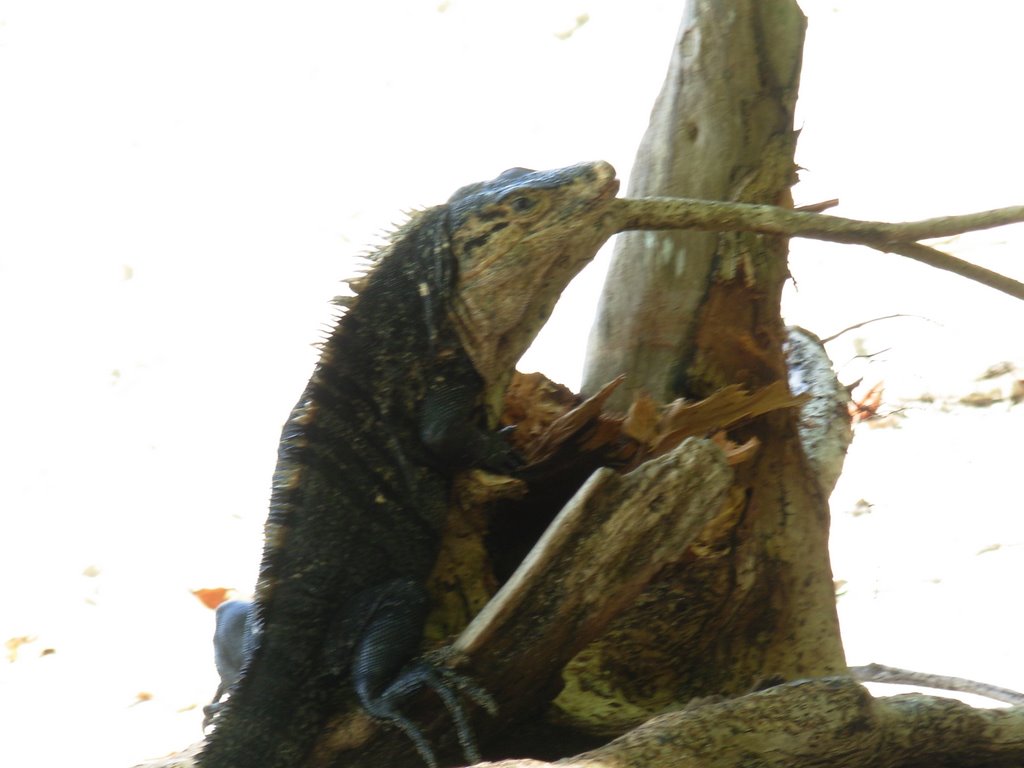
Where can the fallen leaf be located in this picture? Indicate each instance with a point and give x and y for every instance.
(15, 643)
(868, 405)
(213, 596)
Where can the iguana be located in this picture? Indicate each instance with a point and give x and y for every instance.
(405, 393)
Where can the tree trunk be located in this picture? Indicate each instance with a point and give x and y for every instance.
(684, 314)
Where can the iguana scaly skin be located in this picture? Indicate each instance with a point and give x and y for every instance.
(403, 395)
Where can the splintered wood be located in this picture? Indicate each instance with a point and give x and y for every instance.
(556, 426)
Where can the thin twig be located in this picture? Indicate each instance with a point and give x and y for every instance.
(862, 323)
(686, 213)
(934, 258)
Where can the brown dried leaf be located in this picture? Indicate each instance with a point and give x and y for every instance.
(12, 645)
(867, 406)
(213, 596)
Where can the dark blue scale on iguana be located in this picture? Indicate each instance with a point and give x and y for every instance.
(233, 643)
(401, 398)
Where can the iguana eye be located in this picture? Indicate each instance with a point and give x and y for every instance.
(522, 204)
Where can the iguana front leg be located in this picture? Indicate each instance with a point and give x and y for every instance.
(450, 427)
(384, 681)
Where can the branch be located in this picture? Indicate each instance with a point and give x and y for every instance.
(684, 213)
(879, 673)
(813, 723)
(934, 258)
(707, 215)
(862, 323)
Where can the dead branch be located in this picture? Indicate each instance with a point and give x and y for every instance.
(879, 673)
(862, 323)
(935, 258)
(815, 723)
(900, 238)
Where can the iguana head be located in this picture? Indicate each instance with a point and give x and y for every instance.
(518, 240)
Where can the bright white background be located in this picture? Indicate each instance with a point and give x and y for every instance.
(182, 186)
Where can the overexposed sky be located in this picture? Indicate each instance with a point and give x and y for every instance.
(909, 110)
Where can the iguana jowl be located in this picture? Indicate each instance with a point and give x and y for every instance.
(404, 394)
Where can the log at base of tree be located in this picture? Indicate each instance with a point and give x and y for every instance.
(830, 721)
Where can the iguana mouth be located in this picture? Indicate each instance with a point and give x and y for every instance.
(610, 190)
